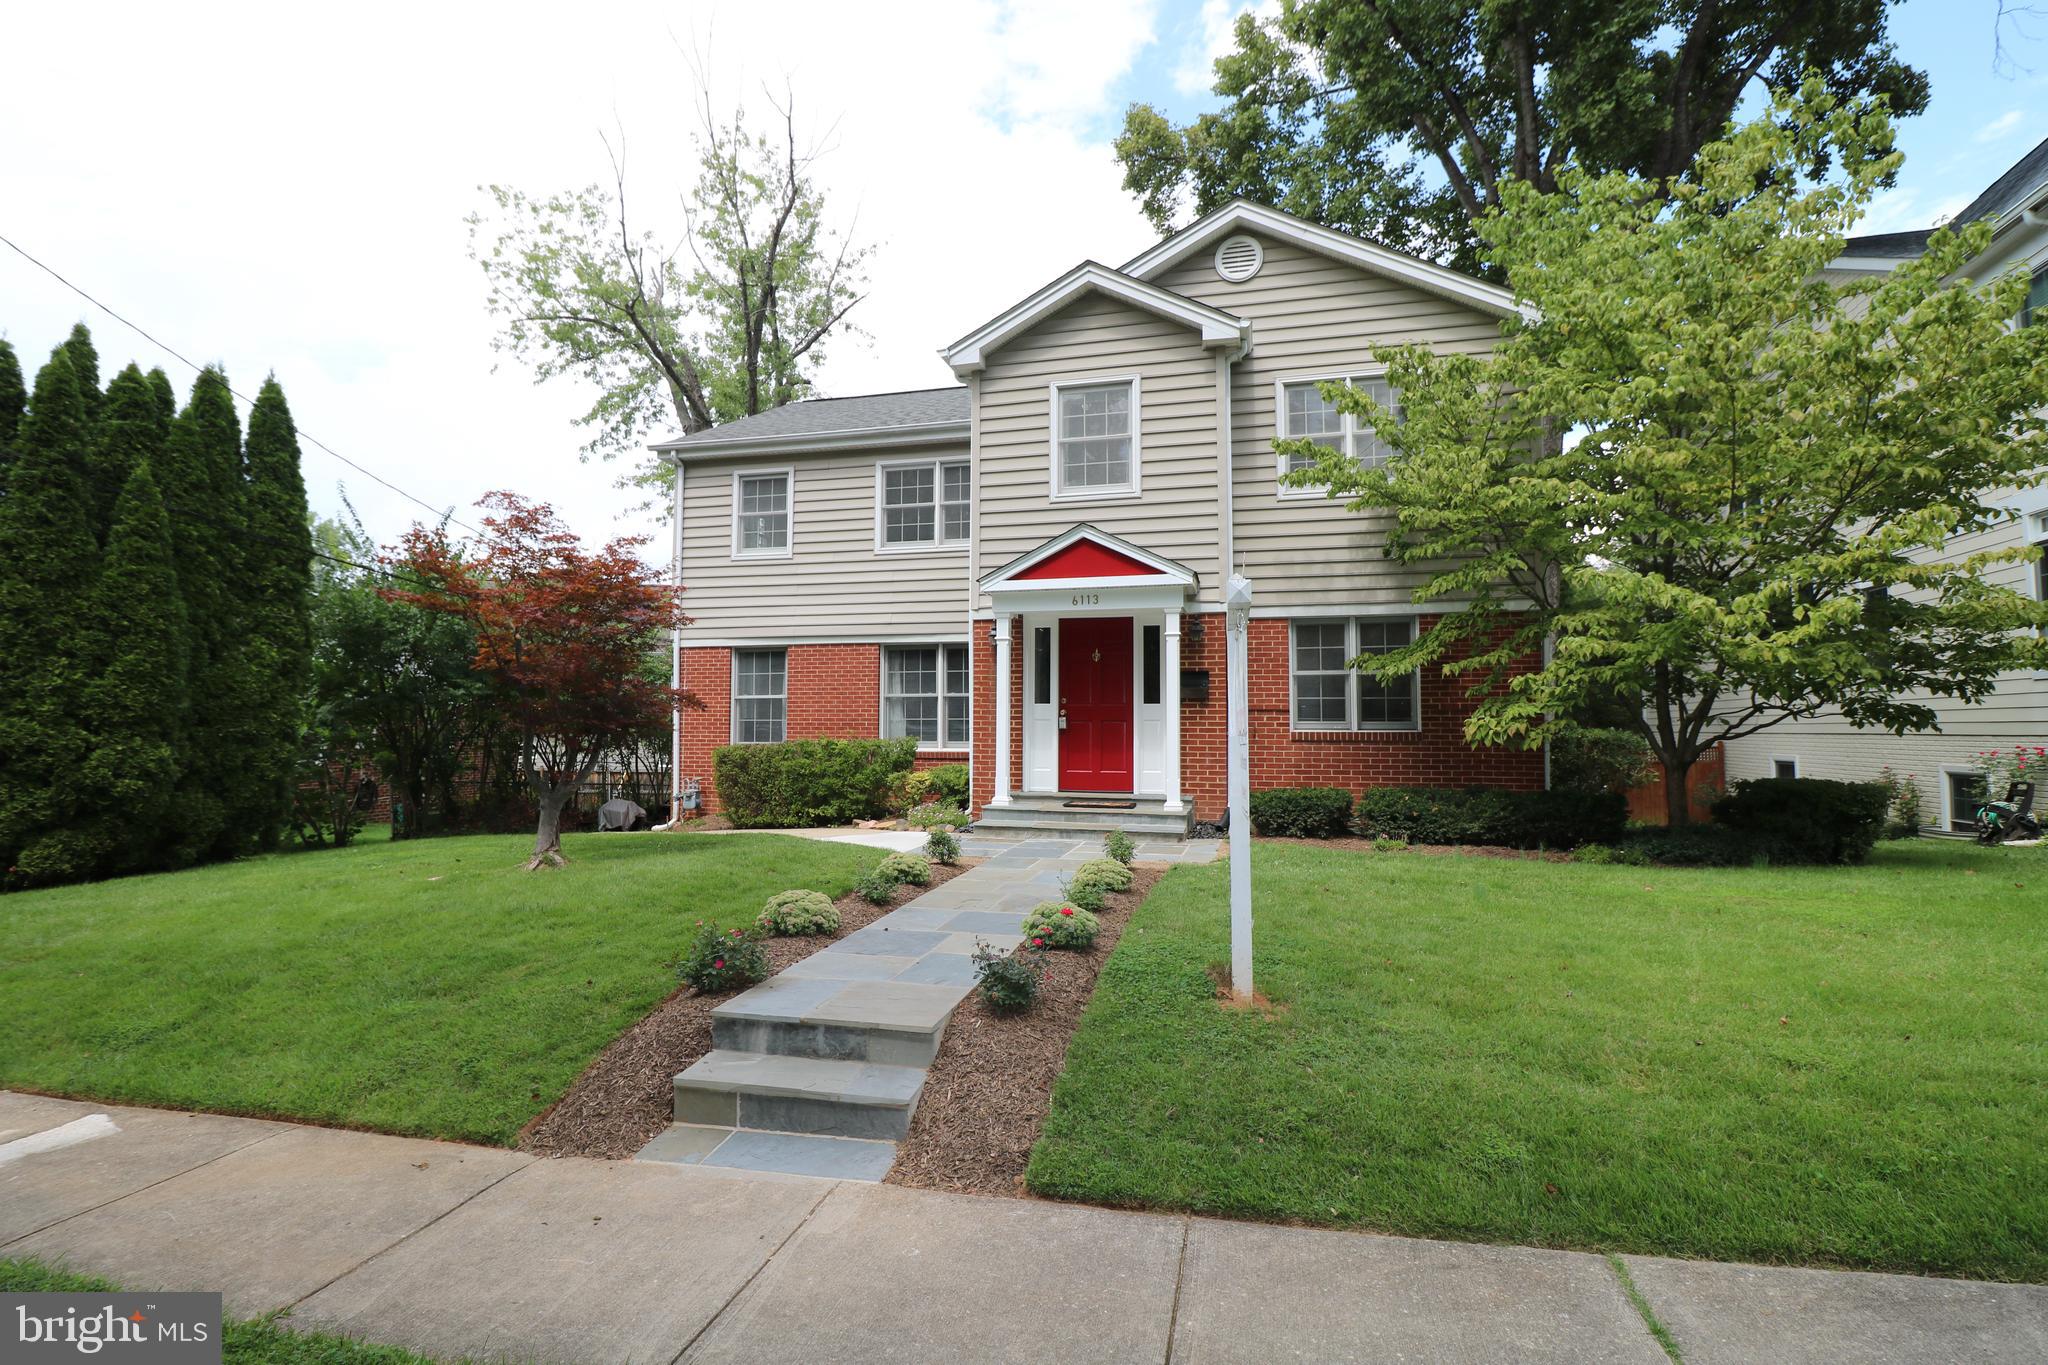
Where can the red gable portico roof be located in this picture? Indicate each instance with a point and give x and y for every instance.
(1088, 559)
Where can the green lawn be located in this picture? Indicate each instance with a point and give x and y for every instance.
(430, 987)
(246, 1341)
(1832, 1066)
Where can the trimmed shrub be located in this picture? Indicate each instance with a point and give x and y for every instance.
(808, 782)
(1486, 815)
(1087, 895)
(949, 783)
(939, 815)
(1596, 760)
(1111, 874)
(1302, 812)
(875, 887)
(1055, 924)
(1807, 819)
(1689, 846)
(1008, 983)
(906, 867)
(943, 846)
(797, 914)
(1119, 846)
(720, 960)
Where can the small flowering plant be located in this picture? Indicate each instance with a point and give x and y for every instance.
(1061, 924)
(1009, 982)
(2003, 767)
(720, 960)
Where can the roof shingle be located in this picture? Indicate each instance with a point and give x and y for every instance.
(822, 416)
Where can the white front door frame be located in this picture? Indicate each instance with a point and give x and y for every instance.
(1155, 745)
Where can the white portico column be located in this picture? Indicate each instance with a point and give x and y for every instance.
(1169, 693)
(1002, 634)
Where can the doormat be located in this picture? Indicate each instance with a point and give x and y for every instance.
(1100, 805)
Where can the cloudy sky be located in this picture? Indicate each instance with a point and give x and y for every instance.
(282, 188)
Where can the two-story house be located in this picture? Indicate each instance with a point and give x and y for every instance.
(1025, 572)
(1943, 761)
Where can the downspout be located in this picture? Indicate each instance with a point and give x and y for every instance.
(675, 661)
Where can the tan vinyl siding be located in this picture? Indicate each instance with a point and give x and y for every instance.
(1097, 338)
(834, 585)
(1314, 315)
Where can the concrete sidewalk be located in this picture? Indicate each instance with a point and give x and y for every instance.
(466, 1251)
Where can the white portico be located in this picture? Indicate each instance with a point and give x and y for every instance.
(1099, 622)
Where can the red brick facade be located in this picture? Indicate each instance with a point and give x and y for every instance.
(835, 692)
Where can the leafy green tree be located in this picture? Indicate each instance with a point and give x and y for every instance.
(131, 433)
(275, 588)
(202, 486)
(1406, 120)
(1713, 479)
(580, 290)
(46, 575)
(135, 702)
(85, 370)
(13, 399)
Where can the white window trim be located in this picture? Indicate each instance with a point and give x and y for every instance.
(1281, 384)
(1948, 812)
(940, 746)
(937, 466)
(788, 550)
(732, 719)
(1352, 724)
(1793, 759)
(1055, 492)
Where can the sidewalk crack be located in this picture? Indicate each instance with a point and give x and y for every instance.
(734, 1297)
(1180, 1271)
(1643, 1310)
(129, 1194)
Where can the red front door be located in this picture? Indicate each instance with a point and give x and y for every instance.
(1095, 701)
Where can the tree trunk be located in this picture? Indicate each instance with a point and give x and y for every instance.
(547, 841)
(1677, 800)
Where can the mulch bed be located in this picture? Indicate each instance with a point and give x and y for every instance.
(625, 1097)
(986, 1095)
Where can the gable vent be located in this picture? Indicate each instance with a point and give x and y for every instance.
(1239, 258)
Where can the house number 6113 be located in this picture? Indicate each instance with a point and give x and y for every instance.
(1087, 599)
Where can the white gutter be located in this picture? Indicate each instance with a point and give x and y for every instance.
(846, 438)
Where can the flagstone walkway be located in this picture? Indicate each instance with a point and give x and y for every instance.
(817, 1070)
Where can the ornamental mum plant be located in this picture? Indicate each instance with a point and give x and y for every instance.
(720, 960)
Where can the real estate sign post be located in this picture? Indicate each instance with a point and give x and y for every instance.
(1238, 602)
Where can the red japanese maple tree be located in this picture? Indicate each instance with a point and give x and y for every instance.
(561, 630)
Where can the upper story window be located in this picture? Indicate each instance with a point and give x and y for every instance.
(1328, 694)
(1305, 414)
(760, 513)
(2039, 526)
(1095, 438)
(760, 696)
(2036, 309)
(923, 505)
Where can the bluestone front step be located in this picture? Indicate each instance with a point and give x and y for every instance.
(798, 1095)
(891, 1022)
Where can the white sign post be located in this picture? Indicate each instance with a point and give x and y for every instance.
(1238, 603)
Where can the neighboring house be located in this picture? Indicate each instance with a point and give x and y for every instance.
(1026, 572)
(1943, 761)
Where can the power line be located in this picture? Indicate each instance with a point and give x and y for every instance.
(196, 367)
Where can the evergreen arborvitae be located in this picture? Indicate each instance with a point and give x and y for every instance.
(46, 578)
(166, 396)
(136, 698)
(131, 432)
(276, 585)
(201, 482)
(13, 398)
(85, 370)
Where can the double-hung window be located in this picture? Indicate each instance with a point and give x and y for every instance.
(760, 696)
(2035, 310)
(924, 695)
(760, 513)
(1328, 694)
(2038, 524)
(923, 505)
(1095, 439)
(1305, 414)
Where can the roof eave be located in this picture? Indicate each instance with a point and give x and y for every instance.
(813, 442)
(1218, 328)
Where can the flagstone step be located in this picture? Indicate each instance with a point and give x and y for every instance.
(1052, 815)
(798, 1094)
(896, 1023)
(743, 1149)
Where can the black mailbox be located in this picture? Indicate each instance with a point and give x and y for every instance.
(1194, 684)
